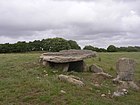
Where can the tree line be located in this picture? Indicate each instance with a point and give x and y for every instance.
(112, 48)
(57, 44)
(50, 44)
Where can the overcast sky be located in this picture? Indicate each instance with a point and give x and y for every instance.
(89, 22)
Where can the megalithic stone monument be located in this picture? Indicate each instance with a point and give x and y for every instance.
(68, 60)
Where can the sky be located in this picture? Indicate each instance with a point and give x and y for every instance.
(99, 23)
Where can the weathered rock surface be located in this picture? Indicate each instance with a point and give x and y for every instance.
(125, 76)
(68, 60)
(95, 69)
(122, 92)
(105, 75)
(133, 85)
(63, 92)
(66, 56)
(126, 85)
(71, 79)
(99, 71)
(125, 69)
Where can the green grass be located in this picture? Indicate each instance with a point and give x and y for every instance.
(23, 82)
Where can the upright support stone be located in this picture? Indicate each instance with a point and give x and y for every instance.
(45, 63)
(65, 67)
(85, 68)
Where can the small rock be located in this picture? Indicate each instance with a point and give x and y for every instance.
(37, 77)
(62, 91)
(46, 75)
(75, 77)
(106, 75)
(109, 92)
(96, 85)
(103, 95)
(125, 91)
(45, 71)
(69, 79)
(120, 93)
(117, 81)
(96, 69)
(55, 71)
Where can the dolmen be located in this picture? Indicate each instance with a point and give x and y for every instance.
(67, 60)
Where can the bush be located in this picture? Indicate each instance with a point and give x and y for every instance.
(111, 48)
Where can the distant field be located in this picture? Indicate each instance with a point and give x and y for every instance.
(23, 82)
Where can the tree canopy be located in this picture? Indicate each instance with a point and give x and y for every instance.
(73, 44)
(50, 44)
(89, 47)
(111, 48)
(57, 44)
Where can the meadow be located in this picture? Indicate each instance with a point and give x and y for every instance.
(23, 81)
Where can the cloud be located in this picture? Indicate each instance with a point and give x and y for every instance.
(97, 22)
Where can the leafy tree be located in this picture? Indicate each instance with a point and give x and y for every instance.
(111, 48)
(101, 50)
(73, 44)
(122, 49)
(47, 44)
(88, 47)
(1, 47)
(5, 48)
(55, 44)
(21, 46)
(129, 49)
(36, 45)
(132, 49)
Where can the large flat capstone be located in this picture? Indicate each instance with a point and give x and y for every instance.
(66, 56)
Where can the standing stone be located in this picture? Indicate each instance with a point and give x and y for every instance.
(125, 78)
(125, 69)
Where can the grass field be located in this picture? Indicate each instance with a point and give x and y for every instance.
(23, 81)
